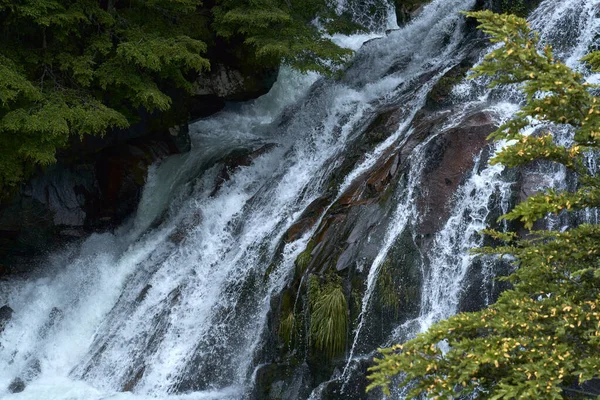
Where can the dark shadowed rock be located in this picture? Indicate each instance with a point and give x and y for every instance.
(97, 181)
(16, 386)
(233, 84)
(54, 318)
(343, 241)
(276, 382)
(137, 377)
(73, 198)
(5, 316)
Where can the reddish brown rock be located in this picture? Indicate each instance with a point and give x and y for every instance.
(308, 218)
(452, 155)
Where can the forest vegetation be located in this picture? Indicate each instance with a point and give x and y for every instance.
(541, 339)
(86, 67)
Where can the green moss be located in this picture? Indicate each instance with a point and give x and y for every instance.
(518, 7)
(356, 308)
(388, 294)
(269, 270)
(290, 321)
(304, 259)
(286, 328)
(442, 89)
(328, 316)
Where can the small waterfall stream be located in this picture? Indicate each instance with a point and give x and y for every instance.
(176, 304)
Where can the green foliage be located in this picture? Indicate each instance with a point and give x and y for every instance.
(304, 258)
(87, 67)
(515, 7)
(388, 294)
(541, 338)
(286, 327)
(76, 68)
(279, 30)
(328, 315)
(443, 88)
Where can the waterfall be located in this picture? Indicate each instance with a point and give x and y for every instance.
(176, 303)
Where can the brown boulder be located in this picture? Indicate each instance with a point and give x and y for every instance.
(451, 156)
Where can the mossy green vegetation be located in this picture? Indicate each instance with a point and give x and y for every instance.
(286, 327)
(89, 67)
(541, 338)
(518, 7)
(304, 258)
(328, 315)
(386, 289)
(288, 320)
(442, 90)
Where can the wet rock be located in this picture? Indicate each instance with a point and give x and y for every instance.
(344, 388)
(121, 174)
(308, 218)
(236, 159)
(343, 241)
(451, 156)
(16, 386)
(72, 199)
(97, 181)
(281, 382)
(188, 223)
(140, 297)
(480, 289)
(407, 10)
(228, 80)
(440, 94)
(5, 316)
(232, 84)
(54, 318)
(137, 377)
(31, 371)
(518, 7)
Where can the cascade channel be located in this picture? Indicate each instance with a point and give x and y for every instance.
(378, 179)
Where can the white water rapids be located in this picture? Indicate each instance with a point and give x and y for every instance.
(174, 304)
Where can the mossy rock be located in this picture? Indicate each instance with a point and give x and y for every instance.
(520, 8)
(303, 260)
(328, 315)
(441, 91)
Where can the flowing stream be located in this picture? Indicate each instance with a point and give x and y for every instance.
(175, 303)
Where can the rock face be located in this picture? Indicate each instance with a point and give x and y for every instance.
(407, 9)
(343, 242)
(5, 315)
(16, 386)
(95, 192)
(453, 156)
(232, 84)
(226, 82)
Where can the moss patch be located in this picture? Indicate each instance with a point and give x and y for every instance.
(328, 315)
(304, 258)
(443, 88)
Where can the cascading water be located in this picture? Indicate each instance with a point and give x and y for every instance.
(571, 27)
(176, 303)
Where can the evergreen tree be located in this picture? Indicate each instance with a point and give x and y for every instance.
(77, 67)
(297, 41)
(84, 67)
(541, 339)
